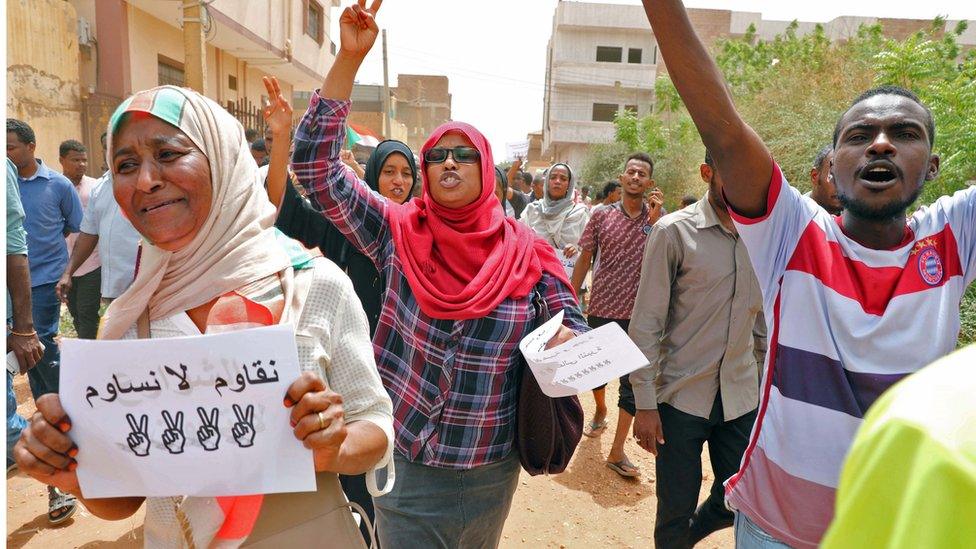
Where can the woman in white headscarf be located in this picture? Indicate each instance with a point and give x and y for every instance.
(212, 262)
(556, 217)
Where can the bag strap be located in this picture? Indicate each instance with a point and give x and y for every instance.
(542, 314)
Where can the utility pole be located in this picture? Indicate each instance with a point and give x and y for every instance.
(387, 102)
(194, 46)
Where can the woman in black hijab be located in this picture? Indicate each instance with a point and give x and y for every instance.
(391, 171)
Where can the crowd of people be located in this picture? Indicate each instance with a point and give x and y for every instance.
(771, 321)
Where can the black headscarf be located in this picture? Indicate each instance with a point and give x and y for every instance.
(301, 221)
(374, 166)
(366, 279)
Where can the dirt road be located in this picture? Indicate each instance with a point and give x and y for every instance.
(587, 506)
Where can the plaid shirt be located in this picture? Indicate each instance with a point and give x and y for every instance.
(454, 384)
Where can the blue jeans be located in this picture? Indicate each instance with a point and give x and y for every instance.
(15, 423)
(46, 309)
(431, 507)
(748, 535)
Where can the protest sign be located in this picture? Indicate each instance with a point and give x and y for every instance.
(196, 416)
(518, 149)
(569, 263)
(582, 363)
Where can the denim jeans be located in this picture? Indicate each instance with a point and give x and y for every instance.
(46, 309)
(434, 508)
(748, 535)
(15, 423)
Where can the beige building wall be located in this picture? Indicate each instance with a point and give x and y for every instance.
(42, 83)
(67, 87)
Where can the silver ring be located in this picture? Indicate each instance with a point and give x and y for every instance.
(321, 421)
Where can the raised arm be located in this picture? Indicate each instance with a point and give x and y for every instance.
(739, 153)
(333, 188)
(277, 115)
(357, 34)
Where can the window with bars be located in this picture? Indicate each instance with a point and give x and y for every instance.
(170, 72)
(314, 17)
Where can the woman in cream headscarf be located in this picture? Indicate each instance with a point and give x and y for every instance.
(556, 217)
(211, 262)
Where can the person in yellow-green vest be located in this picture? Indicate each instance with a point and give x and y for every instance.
(910, 478)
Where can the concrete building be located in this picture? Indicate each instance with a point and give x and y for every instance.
(603, 59)
(70, 63)
(367, 110)
(423, 103)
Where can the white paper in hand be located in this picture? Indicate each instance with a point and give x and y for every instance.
(582, 363)
(569, 263)
(196, 416)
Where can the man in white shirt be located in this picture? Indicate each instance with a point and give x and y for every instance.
(104, 226)
(84, 296)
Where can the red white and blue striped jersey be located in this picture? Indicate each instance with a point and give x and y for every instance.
(846, 322)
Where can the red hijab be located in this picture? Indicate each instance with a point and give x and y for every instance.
(461, 263)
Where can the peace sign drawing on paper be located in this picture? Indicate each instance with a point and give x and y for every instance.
(208, 434)
(243, 430)
(138, 439)
(173, 436)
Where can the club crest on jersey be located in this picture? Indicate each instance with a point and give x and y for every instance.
(930, 266)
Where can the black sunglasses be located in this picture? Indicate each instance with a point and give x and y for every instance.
(463, 155)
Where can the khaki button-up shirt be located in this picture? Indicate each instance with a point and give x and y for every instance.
(697, 317)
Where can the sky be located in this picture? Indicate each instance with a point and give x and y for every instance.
(494, 53)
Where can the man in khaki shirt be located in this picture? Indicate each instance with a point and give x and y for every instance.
(697, 318)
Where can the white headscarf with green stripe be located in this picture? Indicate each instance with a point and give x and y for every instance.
(236, 245)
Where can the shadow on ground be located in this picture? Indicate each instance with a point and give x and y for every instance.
(587, 472)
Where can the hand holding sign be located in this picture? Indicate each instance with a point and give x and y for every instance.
(243, 430)
(44, 450)
(173, 436)
(208, 434)
(138, 439)
(565, 365)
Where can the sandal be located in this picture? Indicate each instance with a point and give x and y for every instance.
(595, 429)
(60, 506)
(624, 468)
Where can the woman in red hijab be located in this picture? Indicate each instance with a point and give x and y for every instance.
(461, 283)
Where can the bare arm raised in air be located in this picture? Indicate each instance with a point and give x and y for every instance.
(741, 156)
(277, 115)
(346, 201)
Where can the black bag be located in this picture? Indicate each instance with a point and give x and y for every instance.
(547, 430)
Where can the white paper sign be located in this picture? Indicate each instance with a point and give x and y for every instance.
(518, 149)
(569, 263)
(582, 363)
(196, 416)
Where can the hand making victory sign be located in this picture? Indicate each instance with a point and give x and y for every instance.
(277, 115)
(173, 436)
(243, 429)
(138, 439)
(358, 29)
(357, 34)
(208, 433)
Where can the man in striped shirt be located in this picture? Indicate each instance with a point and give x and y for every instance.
(854, 303)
